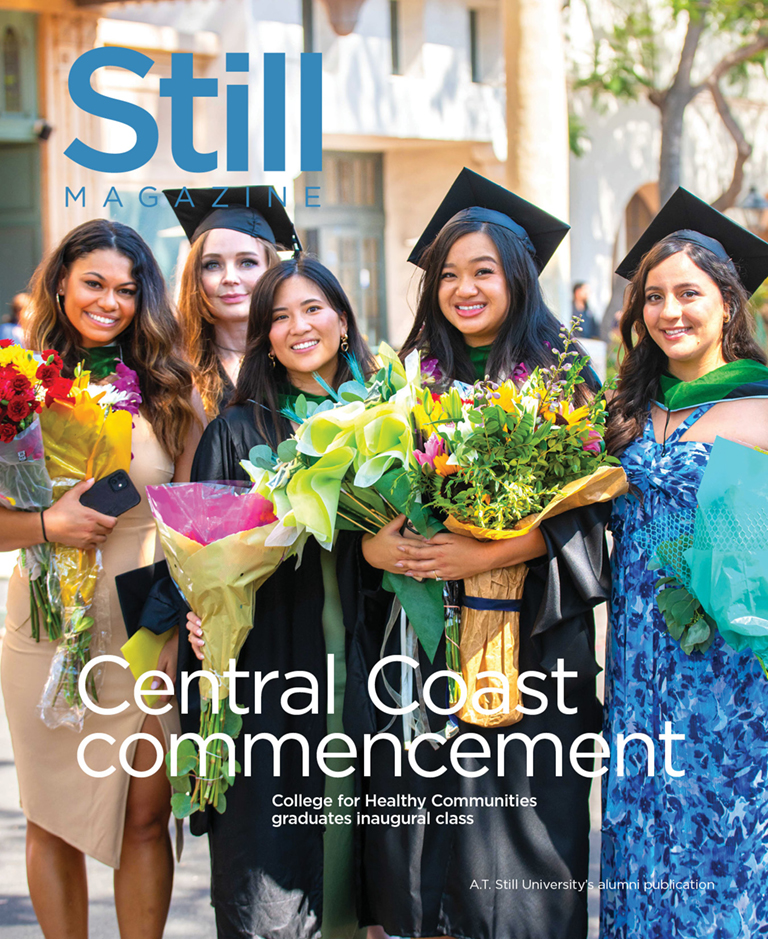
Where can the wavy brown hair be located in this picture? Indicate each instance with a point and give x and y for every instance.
(198, 330)
(530, 332)
(644, 363)
(260, 380)
(148, 345)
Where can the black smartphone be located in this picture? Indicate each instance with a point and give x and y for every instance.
(112, 495)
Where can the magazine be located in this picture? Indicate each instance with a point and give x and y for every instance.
(347, 753)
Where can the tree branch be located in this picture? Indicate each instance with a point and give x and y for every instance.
(743, 149)
(682, 80)
(736, 57)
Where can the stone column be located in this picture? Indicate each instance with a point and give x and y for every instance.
(62, 37)
(537, 123)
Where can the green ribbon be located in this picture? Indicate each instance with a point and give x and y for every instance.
(744, 378)
(101, 361)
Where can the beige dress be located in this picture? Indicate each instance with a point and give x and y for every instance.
(56, 794)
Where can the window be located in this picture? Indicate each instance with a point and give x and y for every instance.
(394, 33)
(474, 46)
(347, 231)
(12, 71)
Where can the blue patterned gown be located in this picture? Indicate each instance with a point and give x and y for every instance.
(710, 825)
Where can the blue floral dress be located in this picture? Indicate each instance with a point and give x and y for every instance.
(687, 855)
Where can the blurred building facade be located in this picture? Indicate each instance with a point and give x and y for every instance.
(413, 90)
(39, 40)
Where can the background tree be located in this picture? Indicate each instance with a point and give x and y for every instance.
(631, 61)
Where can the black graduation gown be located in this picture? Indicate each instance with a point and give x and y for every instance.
(472, 880)
(268, 881)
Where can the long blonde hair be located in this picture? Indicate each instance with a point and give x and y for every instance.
(149, 345)
(198, 331)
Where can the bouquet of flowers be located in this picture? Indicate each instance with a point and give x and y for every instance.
(28, 382)
(55, 432)
(497, 461)
(87, 434)
(213, 536)
(347, 467)
(717, 555)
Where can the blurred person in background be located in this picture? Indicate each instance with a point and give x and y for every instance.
(590, 328)
(13, 328)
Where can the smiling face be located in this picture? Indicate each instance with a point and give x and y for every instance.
(100, 296)
(473, 294)
(232, 263)
(306, 332)
(684, 313)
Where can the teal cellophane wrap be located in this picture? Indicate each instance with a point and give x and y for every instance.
(728, 559)
(667, 539)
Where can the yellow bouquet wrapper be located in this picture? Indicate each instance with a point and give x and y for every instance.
(604, 485)
(83, 438)
(219, 582)
(142, 652)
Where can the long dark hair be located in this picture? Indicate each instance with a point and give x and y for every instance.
(644, 362)
(259, 380)
(530, 332)
(149, 345)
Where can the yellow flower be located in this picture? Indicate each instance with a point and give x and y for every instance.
(23, 360)
(443, 467)
(573, 416)
(565, 414)
(427, 424)
(508, 396)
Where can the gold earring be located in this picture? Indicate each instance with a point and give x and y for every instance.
(271, 356)
(727, 318)
(345, 343)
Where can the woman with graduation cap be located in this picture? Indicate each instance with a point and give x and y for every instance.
(481, 312)
(685, 851)
(292, 881)
(235, 234)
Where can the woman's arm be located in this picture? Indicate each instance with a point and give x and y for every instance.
(453, 557)
(446, 556)
(183, 467)
(67, 522)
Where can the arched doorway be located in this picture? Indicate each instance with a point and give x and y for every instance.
(638, 214)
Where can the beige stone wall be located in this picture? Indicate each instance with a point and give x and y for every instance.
(537, 123)
(416, 177)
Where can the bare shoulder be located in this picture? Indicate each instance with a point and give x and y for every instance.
(745, 421)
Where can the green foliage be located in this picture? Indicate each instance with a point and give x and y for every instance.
(193, 790)
(507, 453)
(262, 456)
(627, 57)
(577, 135)
(686, 621)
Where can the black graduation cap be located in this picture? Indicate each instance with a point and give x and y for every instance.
(254, 210)
(149, 598)
(474, 197)
(696, 221)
